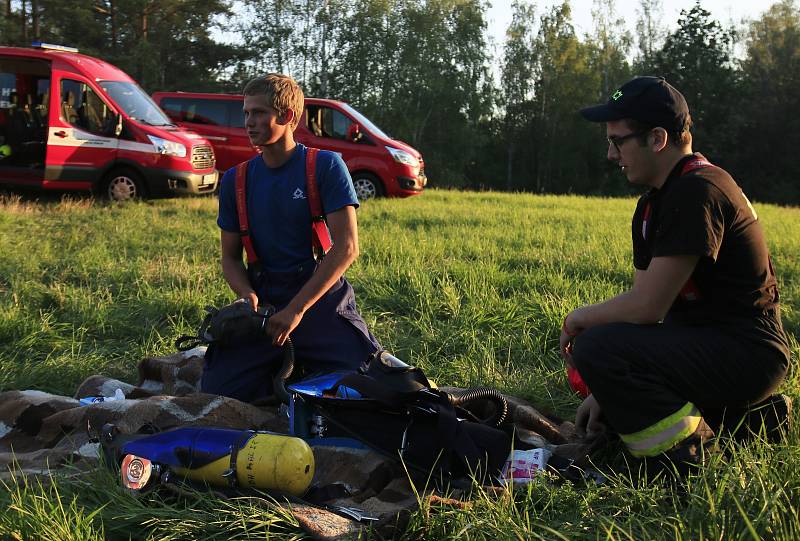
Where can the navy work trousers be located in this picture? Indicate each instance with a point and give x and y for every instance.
(331, 336)
(641, 374)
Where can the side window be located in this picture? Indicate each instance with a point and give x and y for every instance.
(172, 106)
(8, 84)
(197, 111)
(84, 109)
(235, 114)
(334, 123)
(42, 107)
(327, 122)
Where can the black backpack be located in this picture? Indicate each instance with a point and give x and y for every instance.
(401, 416)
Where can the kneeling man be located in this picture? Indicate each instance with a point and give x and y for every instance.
(269, 215)
(700, 332)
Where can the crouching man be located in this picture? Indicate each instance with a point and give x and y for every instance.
(699, 333)
(315, 304)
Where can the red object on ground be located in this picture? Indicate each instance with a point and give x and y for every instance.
(576, 382)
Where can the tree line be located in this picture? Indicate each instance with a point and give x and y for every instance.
(423, 71)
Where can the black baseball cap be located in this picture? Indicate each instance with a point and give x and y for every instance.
(650, 100)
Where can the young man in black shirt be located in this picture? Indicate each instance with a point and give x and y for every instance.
(699, 333)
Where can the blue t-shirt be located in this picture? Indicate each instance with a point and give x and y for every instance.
(277, 207)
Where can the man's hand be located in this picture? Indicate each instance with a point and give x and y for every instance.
(281, 324)
(587, 420)
(251, 298)
(568, 334)
(565, 346)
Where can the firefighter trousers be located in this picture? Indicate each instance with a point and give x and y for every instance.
(654, 383)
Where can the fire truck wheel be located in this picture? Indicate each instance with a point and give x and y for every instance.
(123, 185)
(367, 186)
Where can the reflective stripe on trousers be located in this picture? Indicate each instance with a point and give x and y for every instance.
(665, 434)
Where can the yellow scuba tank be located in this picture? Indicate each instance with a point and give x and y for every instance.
(219, 457)
(269, 461)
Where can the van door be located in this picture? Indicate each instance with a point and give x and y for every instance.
(24, 102)
(330, 129)
(82, 141)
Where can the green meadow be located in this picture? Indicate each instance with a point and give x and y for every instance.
(469, 286)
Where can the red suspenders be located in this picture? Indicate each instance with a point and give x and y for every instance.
(695, 163)
(241, 210)
(320, 236)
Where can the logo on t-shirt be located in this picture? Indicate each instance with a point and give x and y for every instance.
(298, 194)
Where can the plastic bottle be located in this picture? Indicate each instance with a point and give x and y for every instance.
(118, 395)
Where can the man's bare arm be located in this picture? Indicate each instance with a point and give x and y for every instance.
(648, 301)
(233, 269)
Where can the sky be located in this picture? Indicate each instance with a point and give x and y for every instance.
(724, 11)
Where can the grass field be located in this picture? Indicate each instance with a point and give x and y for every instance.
(471, 287)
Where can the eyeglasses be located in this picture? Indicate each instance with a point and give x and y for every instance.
(617, 140)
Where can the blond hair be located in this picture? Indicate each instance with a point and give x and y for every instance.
(282, 92)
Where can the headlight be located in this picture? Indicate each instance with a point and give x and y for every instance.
(165, 146)
(401, 156)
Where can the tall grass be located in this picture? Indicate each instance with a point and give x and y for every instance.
(469, 286)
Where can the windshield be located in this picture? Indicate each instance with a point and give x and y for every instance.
(136, 104)
(364, 121)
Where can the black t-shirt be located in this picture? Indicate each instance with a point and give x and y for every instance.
(701, 211)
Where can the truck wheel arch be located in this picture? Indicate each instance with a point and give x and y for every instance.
(122, 183)
(368, 185)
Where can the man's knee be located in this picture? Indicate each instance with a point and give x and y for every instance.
(593, 347)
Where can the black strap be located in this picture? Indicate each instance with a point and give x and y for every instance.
(186, 342)
(183, 342)
(369, 387)
(230, 473)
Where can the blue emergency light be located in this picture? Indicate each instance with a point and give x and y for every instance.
(53, 47)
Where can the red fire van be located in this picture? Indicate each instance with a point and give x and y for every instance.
(72, 122)
(378, 164)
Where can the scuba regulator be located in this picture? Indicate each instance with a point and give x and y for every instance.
(230, 325)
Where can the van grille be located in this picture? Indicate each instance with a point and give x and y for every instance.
(203, 157)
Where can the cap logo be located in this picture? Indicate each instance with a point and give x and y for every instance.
(617, 95)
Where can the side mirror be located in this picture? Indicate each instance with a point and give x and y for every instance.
(118, 127)
(354, 133)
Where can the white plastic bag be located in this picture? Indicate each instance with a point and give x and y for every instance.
(522, 467)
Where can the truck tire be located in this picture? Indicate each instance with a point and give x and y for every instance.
(122, 184)
(367, 186)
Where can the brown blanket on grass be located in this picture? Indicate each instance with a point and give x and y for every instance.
(41, 432)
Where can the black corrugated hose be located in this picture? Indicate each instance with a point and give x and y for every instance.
(279, 382)
(460, 398)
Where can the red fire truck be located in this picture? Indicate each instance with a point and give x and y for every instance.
(72, 122)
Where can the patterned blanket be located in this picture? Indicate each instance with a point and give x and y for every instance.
(41, 432)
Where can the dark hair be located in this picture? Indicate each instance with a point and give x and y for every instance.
(679, 136)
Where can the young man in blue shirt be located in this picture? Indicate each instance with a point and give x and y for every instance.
(314, 303)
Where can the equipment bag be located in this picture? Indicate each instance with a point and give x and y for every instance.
(400, 415)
